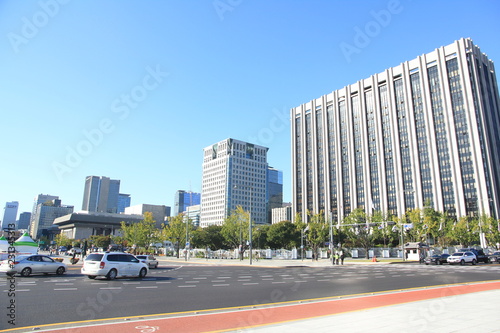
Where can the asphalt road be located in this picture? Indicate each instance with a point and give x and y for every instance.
(73, 297)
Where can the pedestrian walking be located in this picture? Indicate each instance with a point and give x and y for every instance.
(342, 256)
(336, 258)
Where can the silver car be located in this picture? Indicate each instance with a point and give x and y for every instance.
(32, 264)
(148, 259)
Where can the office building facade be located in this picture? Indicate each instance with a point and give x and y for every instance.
(234, 174)
(274, 195)
(101, 194)
(123, 202)
(24, 221)
(421, 133)
(44, 215)
(184, 199)
(10, 215)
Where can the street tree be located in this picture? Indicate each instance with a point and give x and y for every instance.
(461, 232)
(177, 229)
(209, 237)
(63, 240)
(317, 233)
(141, 234)
(235, 228)
(283, 235)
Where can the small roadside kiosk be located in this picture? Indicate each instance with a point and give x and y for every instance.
(415, 250)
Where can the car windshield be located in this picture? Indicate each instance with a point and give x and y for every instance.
(458, 254)
(94, 257)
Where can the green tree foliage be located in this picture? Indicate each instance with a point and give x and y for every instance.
(235, 228)
(259, 236)
(63, 240)
(461, 232)
(358, 230)
(210, 237)
(318, 232)
(283, 235)
(100, 241)
(142, 233)
(177, 229)
(490, 228)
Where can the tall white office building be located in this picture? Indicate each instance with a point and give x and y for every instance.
(421, 133)
(234, 174)
(10, 215)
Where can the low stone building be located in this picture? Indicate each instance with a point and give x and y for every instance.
(83, 224)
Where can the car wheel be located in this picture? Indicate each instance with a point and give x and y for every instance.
(474, 261)
(111, 274)
(462, 262)
(92, 277)
(26, 271)
(156, 266)
(143, 272)
(439, 262)
(60, 271)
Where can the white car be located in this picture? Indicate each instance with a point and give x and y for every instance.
(148, 259)
(462, 258)
(112, 265)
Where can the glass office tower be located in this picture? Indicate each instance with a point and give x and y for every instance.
(424, 132)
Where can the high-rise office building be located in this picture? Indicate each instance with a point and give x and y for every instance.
(421, 133)
(44, 215)
(101, 194)
(123, 202)
(274, 191)
(184, 199)
(10, 215)
(234, 174)
(24, 221)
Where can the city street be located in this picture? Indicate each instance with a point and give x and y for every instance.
(188, 287)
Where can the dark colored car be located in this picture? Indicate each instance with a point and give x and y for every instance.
(481, 257)
(494, 257)
(437, 259)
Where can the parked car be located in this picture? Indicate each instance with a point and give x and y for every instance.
(494, 257)
(480, 255)
(26, 265)
(149, 260)
(437, 259)
(63, 248)
(462, 258)
(74, 250)
(112, 265)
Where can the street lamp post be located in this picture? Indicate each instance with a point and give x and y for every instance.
(250, 226)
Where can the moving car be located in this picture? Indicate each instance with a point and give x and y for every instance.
(494, 257)
(74, 250)
(462, 258)
(25, 265)
(480, 256)
(437, 259)
(148, 259)
(112, 265)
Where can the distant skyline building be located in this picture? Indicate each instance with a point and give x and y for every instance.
(24, 221)
(183, 199)
(44, 215)
(422, 133)
(10, 214)
(101, 194)
(123, 202)
(193, 213)
(274, 194)
(234, 174)
(160, 212)
(282, 213)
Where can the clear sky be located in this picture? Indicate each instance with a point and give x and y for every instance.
(134, 90)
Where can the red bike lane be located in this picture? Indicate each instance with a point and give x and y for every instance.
(247, 317)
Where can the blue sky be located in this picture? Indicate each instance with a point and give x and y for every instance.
(134, 90)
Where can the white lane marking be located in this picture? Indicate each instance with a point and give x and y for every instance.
(186, 286)
(62, 289)
(249, 284)
(220, 285)
(148, 287)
